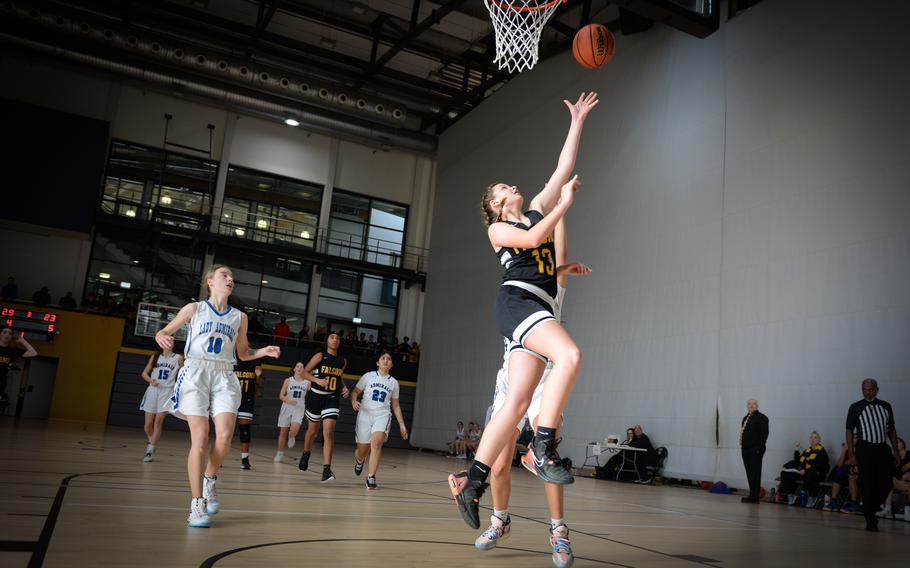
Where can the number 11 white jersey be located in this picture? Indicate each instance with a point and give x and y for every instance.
(212, 335)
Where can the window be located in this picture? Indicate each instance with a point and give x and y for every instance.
(167, 271)
(269, 209)
(345, 295)
(366, 229)
(268, 288)
(147, 183)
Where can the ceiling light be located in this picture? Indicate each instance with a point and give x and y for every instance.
(125, 285)
(262, 224)
(265, 281)
(291, 122)
(227, 215)
(130, 213)
(356, 320)
(239, 232)
(261, 185)
(166, 200)
(104, 275)
(305, 235)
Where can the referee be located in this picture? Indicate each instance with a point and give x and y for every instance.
(873, 421)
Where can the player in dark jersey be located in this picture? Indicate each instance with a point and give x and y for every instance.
(523, 242)
(324, 371)
(249, 373)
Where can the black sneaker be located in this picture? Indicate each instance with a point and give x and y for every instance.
(467, 496)
(327, 474)
(371, 483)
(547, 463)
(245, 463)
(358, 468)
(304, 461)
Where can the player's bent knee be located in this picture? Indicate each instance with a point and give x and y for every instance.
(244, 431)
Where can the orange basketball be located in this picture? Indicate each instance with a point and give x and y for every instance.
(593, 46)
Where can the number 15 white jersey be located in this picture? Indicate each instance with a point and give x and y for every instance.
(213, 335)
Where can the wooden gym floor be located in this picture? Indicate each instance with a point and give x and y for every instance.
(74, 495)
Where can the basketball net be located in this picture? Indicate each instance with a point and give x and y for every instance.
(518, 25)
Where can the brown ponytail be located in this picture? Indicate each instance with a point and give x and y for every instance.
(489, 214)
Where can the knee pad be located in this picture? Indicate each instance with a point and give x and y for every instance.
(244, 430)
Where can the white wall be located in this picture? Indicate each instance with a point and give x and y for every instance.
(744, 209)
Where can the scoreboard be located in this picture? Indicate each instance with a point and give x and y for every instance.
(31, 324)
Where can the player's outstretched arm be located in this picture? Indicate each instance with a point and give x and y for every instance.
(244, 353)
(573, 269)
(165, 337)
(546, 199)
(29, 350)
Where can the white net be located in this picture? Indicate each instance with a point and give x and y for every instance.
(518, 25)
(152, 317)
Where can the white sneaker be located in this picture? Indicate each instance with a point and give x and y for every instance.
(210, 496)
(497, 531)
(149, 453)
(562, 550)
(292, 441)
(885, 513)
(278, 457)
(199, 517)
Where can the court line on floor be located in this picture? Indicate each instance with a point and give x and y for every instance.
(592, 535)
(210, 562)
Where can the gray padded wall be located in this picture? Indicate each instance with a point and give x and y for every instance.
(746, 209)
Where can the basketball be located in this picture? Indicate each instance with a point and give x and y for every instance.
(593, 46)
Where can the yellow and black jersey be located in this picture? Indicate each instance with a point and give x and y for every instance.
(535, 266)
(331, 368)
(246, 374)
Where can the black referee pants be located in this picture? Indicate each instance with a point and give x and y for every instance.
(876, 468)
(752, 462)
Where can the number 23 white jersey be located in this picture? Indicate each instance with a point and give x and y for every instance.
(378, 391)
(212, 335)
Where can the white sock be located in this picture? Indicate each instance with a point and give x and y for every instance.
(209, 477)
(556, 522)
(502, 515)
(244, 455)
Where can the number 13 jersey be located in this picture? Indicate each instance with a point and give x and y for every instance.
(534, 266)
(212, 335)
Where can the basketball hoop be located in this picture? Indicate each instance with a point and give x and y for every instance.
(518, 25)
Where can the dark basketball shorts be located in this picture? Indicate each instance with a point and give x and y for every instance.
(320, 407)
(521, 310)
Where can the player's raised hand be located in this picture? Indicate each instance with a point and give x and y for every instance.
(580, 108)
(165, 342)
(567, 192)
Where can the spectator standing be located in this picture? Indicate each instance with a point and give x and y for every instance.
(42, 297)
(753, 435)
(304, 334)
(873, 420)
(282, 331)
(67, 301)
(10, 291)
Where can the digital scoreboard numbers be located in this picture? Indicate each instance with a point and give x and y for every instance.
(31, 324)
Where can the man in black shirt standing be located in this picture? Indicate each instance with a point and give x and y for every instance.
(873, 421)
(753, 434)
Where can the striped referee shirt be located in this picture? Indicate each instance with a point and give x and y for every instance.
(872, 421)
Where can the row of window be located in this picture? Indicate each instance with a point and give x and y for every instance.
(257, 206)
(145, 183)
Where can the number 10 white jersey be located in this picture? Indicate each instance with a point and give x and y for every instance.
(212, 335)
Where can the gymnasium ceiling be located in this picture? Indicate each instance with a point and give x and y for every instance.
(410, 68)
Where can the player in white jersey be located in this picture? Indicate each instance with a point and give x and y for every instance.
(160, 373)
(374, 415)
(290, 417)
(206, 384)
(500, 478)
